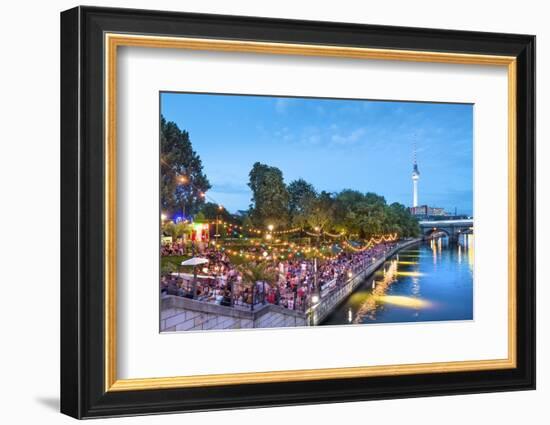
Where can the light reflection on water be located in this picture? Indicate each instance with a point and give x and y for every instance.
(432, 281)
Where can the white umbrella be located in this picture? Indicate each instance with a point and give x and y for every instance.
(195, 261)
(190, 275)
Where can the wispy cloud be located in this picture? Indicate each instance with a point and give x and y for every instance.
(327, 135)
(350, 137)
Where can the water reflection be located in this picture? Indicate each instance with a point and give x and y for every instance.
(431, 281)
(400, 300)
(379, 288)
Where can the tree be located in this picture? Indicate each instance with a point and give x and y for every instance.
(269, 196)
(168, 267)
(350, 211)
(212, 211)
(253, 273)
(320, 211)
(406, 224)
(302, 195)
(247, 222)
(183, 182)
(368, 215)
(258, 272)
(199, 217)
(372, 212)
(175, 230)
(345, 215)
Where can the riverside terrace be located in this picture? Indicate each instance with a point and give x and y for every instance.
(291, 284)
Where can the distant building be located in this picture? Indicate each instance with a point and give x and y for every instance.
(426, 211)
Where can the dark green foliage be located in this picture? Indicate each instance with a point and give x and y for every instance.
(182, 179)
(269, 196)
(299, 204)
(212, 211)
(368, 215)
(302, 197)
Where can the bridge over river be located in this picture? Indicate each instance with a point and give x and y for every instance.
(451, 228)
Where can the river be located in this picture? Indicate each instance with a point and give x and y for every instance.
(426, 282)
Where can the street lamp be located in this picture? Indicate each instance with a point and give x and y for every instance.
(182, 180)
(218, 219)
(269, 235)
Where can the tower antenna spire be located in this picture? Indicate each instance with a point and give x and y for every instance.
(415, 175)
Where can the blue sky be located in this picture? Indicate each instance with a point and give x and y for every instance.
(333, 144)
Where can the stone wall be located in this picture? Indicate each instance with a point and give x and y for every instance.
(184, 314)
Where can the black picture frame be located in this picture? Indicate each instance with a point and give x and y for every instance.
(83, 392)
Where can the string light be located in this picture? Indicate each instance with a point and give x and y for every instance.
(312, 234)
(287, 231)
(297, 250)
(334, 235)
(372, 241)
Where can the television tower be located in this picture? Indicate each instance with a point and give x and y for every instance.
(415, 178)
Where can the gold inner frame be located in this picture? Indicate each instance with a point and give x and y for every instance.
(113, 41)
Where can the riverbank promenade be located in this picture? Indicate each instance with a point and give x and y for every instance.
(299, 298)
(334, 297)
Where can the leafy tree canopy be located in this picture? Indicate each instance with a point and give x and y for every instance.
(270, 196)
(183, 182)
(212, 211)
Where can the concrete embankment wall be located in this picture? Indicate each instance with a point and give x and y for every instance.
(327, 305)
(184, 314)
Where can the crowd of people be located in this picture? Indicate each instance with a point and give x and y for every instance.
(294, 286)
(172, 248)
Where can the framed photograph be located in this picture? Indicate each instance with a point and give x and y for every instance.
(261, 212)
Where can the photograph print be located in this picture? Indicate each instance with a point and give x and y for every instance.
(280, 212)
